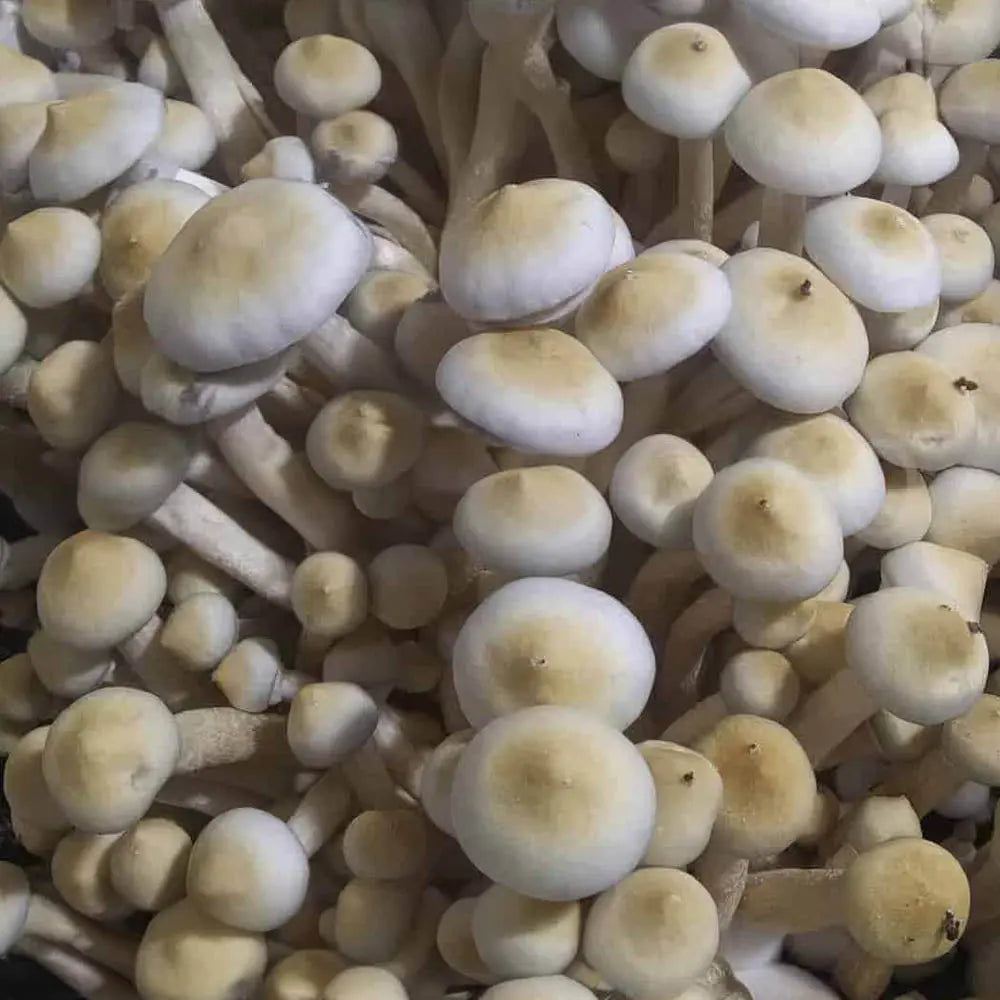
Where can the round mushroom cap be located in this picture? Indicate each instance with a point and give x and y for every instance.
(760, 682)
(371, 918)
(906, 901)
(684, 80)
(322, 76)
(812, 23)
(91, 139)
(13, 331)
(888, 332)
(546, 641)
(379, 301)
(330, 721)
(917, 657)
(81, 873)
(250, 274)
(836, 458)
(358, 147)
(526, 249)
(456, 945)
(653, 312)
(365, 982)
(249, 675)
(653, 933)
(200, 630)
(553, 803)
(764, 531)
(96, 590)
(131, 344)
(878, 254)
(654, 488)
(916, 150)
(913, 412)
(424, 335)
(768, 785)
(138, 226)
(24, 785)
(149, 864)
(62, 24)
(107, 755)
(65, 670)
(49, 256)
(601, 34)
(632, 146)
(793, 338)
(388, 844)
(24, 78)
(537, 390)
(365, 439)
(972, 740)
(688, 799)
(15, 895)
(546, 520)
(187, 137)
(963, 511)
(186, 954)
(966, 253)
(452, 460)
(822, 139)
(248, 870)
(21, 126)
(409, 586)
(329, 594)
(773, 624)
(970, 98)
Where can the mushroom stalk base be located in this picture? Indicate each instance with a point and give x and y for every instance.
(696, 188)
(795, 900)
(322, 811)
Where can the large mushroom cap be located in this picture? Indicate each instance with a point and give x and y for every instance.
(970, 101)
(252, 272)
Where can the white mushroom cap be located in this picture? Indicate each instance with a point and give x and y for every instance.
(302, 975)
(149, 863)
(688, 799)
(684, 80)
(107, 755)
(15, 895)
(186, 954)
(760, 682)
(187, 137)
(905, 514)
(878, 254)
(541, 521)
(21, 126)
(764, 531)
(535, 390)
(963, 512)
(64, 669)
(250, 274)
(967, 255)
(916, 656)
(695, 248)
(526, 249)
(913, 412)
(358, 147)
(958, 578)
(200, 630)
(968, 100)
(601, 34)
(285, 157)
(456, 945)
(822, 139)
(330, 721)
(787, 981)
(774, 624)
(653, 934)
(812, 23)
(654, 488)
(793, 338)
(552, 802)
(650, 314)
(322, 76)
(365, 983)
(379, 301)
(888, 332)
(542, 640)
(836, 458)
(81, 873)
(916, 150)
(424, 335)
(24, 79)
(409, 586)
(91, 139)
(63, 25)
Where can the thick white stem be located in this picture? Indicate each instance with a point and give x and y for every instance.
(725, 878)
(321, 812)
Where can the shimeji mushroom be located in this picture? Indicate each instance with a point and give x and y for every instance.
(330, 599)
(330, 721)
(81, 873)
(186, 138)
(957, 577)
(370, 919)
(149, 863)
(966, 255)
(365, 983)
(200, 630)
(961, 501)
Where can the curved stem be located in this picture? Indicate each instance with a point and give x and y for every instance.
(87, 979)
(321, 812)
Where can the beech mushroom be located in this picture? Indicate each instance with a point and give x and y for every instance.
(149, 863)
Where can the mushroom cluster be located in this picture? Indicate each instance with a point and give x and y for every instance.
(512, 493)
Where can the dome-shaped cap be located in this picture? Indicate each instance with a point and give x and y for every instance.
(187, 137)
(322, 76)
(601, 34)
(888, 332)
(970, 101)
(966, 253)
(964, 503)
(816, 23)
(253, 272)
(356, 147)
(915, 150)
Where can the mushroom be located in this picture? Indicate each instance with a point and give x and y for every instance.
(916, 150)
(21, 126)
(966, 253)
(371, 919)
(330, 721)
(200, 630)
(252, 679)
(186, 138)
(302, 975)
(408, 585)
(81, 873)
(365, 983)
(149, 863)
(389, 844)
(905, 514)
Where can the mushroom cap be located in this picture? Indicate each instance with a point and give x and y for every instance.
(525, 249)
(649, 314)
(330, 721)
(329, 594)
(536, 390)
(131, 344)
(408, 585)
(905, 514)
(187, 137)
(286, 157)
(601, 34)
(358, 147)
(138, 226)
(773, 624)
(189, 574)
(969, 101)
(768, 785)
(541, 521)
(365, 983)
(13, 331)
(91, 139)
(902, 898)
(388, 844)
(836, 458)
(787, 981)
(553, 803)
(539, 987)
(452, 460)
(916, 150)
(878, 254)
(250, 274)
(96, 590)
(322, 76)
(688, 799)
(15, 895)
(424, 335)
(81, 873)
(888, 332)
(760, 682)
(913, 412)
(49, 256)
(186, 954)
(813, 23)
(128, 472)
(793, 338)
(916, 656)
(302, 975)
(438, 776)
(249, 675)
(370, 919)
(24, 785)
(380, 299)
(957, 577)
(966, 253)
(963, 506)
(546, 641)
(633, 146)
(707, 252)
(456, 945)
(65, 670)
(365, 439)
(107, 755)
(200, 630)
(367, 656)
(805, 132)
(653, 933)
(902, 92)
(764, 531)
(149, 863)
(248, 870)
(972, 740)
(879, 819)
(62, 24)
(684, 80)
(25, 700)
(24, 78)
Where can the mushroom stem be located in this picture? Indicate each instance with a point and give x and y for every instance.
(696, 188)
(404, 760)
(370, 780)
(782, 220)
(87, 979)
(926, 782)
(897, 194)
(22, 561)
(418, 192)
(208, 797)
(349, 359)
(458, 85)
(321, 812)
(949, 193)
(795, 900)
(662, 588)
(158, 670)
(831, 713)
(213, 736)
(725, 878)
(697, 721)
(15, 380)
(860, 976)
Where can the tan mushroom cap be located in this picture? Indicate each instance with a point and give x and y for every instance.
(187, 137)
(389, 844)
(984, 308)
(322, 76)
(68, 24)
(329, 594)
(285, 157)
(456, 944)
(633, 146)
(653, 933)
(452, 460)
(24, 79)
(380, 299)
(371, 918)
(328, 722)
(768, 785)
(760, 682)
(303, 975)
(149, 863)
(539, 988)
(365, 983)
(200, 630)
(81, 873)
(889, 332)
(187, 955)
(408, 585)
(772, 624)
(356, 147)
(967, 255)
(906, 901)
(424, 335)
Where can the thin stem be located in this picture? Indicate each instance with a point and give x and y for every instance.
(696, 188)
(418, 192)
(781, 221)
(897, 194)
(795, 900)
(322, 811)
(697, 721)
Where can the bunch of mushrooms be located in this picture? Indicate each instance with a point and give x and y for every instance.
(507, 498)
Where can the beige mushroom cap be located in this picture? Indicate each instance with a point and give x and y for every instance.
(365, 983)
(968, 100)
(539, 988)
(653, 934)
(68, 24)
(303, 975)
(187, 137)
(379, 301)
(149, 863)
(768, 785)
(322, 76)
(329, 594)
(24, 79)
(330, 721)
(187, 955)
(23, 698)
(107, 755)
(24, 783)
(358, 147)
(81, 873)
(21, 126)
(200, 630)
(438, 776)
(389, 844)
(285, 157)
(760, 682)
(371, 918)
(409, 586)
(906, 901)
(424, 335)
(13, 331)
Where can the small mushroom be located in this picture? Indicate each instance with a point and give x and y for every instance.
(149, 863)
(967, 256)
(330, 721)
(81, 873)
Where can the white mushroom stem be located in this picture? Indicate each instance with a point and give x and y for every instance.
(322, 811)
(926, 782)
(662, 588)
(214, 736)
(782, 220)
(697, 721)
(696, 187)
(458, 83)
(370, 780)
(208, 797)
(859, 976)
(15, 380)
(158, 670)
(283, 480)
(87, 979)
(402, 757)
(22, 561)
(795, 900)
(349, 359)
(220, 89)
(948, 195)
(831, 713)
(711, 398)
